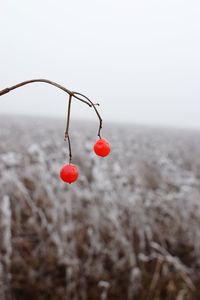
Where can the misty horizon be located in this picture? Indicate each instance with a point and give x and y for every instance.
(139, 60)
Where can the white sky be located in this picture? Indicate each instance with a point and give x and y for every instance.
(139, 59)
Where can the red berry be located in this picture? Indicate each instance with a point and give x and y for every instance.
(102, 147)
(69, 173)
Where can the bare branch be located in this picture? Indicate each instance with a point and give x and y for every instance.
(7, 90)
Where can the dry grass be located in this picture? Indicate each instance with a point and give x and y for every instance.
(129, 229)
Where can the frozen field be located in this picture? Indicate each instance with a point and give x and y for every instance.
(128, 230)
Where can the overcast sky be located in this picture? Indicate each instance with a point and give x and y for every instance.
(139, 59)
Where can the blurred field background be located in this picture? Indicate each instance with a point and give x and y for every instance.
(128, 229)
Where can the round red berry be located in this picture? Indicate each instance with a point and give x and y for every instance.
(69, 173)
(102, 147)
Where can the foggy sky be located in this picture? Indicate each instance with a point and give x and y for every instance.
(139, 59)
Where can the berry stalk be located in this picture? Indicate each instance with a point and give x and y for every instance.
(69, 173)
(67, 128)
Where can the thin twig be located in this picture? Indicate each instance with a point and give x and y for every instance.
(67, 128)
(94, 106)
(70, 149)
(68, 117)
